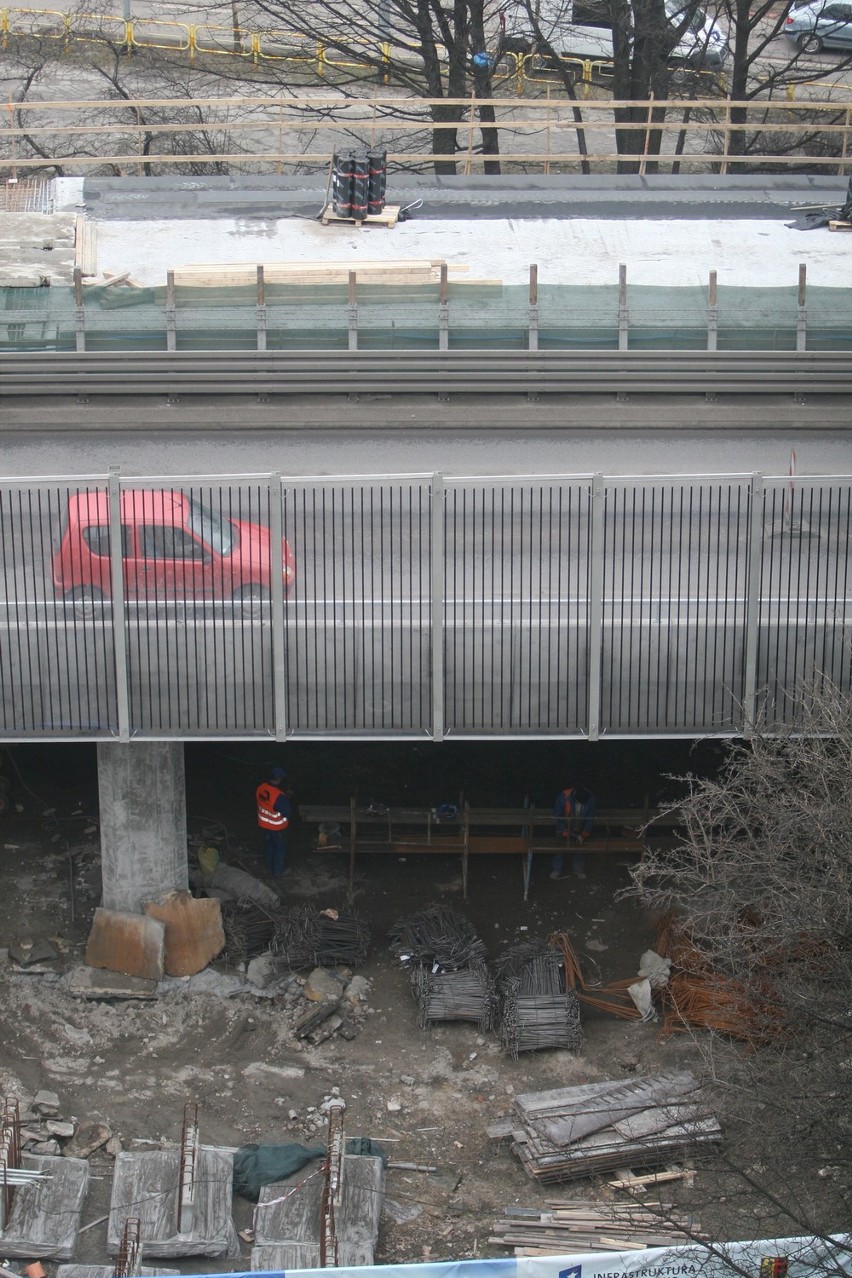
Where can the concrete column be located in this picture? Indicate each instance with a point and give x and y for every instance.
(142, 795)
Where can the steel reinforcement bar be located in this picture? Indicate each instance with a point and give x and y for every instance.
(440, 372)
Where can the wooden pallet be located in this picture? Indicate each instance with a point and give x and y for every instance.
(838, 225)
(388, 217)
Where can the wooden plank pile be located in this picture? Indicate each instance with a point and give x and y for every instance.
(574, 1132)
(576, 1226)
(402, 271)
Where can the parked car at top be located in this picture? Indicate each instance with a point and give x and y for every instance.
(583, 29)
(172, 547)
(820, 25)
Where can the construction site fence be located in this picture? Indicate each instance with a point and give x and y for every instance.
(515, 71)
(275, 133)
(419, 605)
(450, 314)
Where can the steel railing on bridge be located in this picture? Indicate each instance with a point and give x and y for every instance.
(418, 605)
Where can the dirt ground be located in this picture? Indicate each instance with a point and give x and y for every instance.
(426, 1096)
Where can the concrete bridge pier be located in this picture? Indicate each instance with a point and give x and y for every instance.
(142, 795)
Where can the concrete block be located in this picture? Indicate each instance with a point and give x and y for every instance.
(133, 944)
(194, 934)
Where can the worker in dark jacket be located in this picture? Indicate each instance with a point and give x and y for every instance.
(274, 814)
(574, 809)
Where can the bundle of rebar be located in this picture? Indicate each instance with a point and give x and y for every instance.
(537, 1011)
(248, 930)
(467, 994)
(438, 937)
(306, 938)
(531, 1022)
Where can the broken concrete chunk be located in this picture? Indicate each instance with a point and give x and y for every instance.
(244, 887)
(49, 1147)
(59, 1127)
(89, 1136)
(28, 950)
(263, 970)
(46, 1103)
(260, 1072)
(194, 934)
(323, 984)
(113, 1147)
(357, 990)
(133, 944)
(88, 982)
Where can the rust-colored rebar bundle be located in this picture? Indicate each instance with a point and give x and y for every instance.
(696, 995)
(607, 998)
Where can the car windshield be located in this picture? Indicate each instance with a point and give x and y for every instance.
(220, 534)
(677, 11)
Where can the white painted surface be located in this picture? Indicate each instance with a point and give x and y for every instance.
(575, 251)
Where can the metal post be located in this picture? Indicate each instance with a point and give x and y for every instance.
(623, 316)
(802, 310)
(352, 312)
(752, 603)
(437, 607)
(79, 310)
(119, 619)
(444, 311)
(595, 604)
(261, 310)
(532, 330)
(276, 569)
(171, 316)
(712, 315)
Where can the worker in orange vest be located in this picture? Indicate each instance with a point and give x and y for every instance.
(273, 816)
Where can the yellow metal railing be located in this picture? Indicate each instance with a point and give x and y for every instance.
(209, 40)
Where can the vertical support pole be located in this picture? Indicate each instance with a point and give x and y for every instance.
(623, 314)
(444, 311)
(261, 310)
(752, 604)
(79, 311)
(119, 617)
(276, 570)
(352, 312)
(726, 145)
(171, 316)
(532, 329)
(595, 603)
(712, 315)
(437, 607)
(802, 310)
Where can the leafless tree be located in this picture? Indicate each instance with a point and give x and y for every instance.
(761, 884)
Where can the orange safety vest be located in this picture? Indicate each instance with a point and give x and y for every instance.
(267, 818)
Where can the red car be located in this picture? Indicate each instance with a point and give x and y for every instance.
(173, 547)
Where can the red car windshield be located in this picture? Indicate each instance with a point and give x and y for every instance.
(219, 534)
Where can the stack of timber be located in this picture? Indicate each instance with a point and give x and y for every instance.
(576, 1226)
(402, 271)
(288, 1219)
(575, 1132)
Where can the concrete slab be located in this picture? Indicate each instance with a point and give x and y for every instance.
(46, 1214)
(133, 944)
(89, 982)
(36, 249)
(194, 934)
(145, 1186)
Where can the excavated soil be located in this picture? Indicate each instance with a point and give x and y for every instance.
(426, 1096)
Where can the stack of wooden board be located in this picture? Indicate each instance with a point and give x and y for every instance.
(403, 271)
(572, 1132)
(576, 1226)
